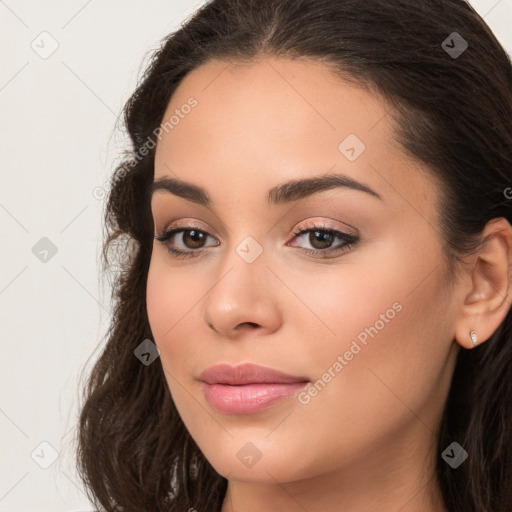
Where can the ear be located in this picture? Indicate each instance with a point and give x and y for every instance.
(490, 285)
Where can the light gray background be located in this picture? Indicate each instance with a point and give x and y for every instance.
(59, 144)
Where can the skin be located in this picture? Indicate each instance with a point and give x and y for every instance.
(367, 439)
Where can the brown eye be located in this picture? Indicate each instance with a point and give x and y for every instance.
(193, 238)
(320, 239)
(192, 241)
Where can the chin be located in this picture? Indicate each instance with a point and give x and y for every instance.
(241, 462)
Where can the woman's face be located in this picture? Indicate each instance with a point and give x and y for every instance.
(363, 311)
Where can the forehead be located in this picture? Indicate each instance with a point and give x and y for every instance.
(272, 120)
(279, 102)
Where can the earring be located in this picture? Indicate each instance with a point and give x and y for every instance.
(473, 338)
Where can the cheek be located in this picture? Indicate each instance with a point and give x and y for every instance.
(171, 296)
(171, 293)
(350, 309)
(388, 338)
(389, 354)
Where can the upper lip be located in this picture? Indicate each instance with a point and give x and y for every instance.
(247, 373)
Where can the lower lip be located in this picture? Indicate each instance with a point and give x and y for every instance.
(248, 398)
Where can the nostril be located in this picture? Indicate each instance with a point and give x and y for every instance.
(252, 324)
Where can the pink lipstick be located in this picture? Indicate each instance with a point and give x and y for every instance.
(247, 388)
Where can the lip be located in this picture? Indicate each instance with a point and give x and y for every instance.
(247, 373)
(247, 388)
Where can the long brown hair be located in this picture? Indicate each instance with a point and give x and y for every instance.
(452, 112)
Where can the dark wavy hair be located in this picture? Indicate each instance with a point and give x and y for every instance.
(452, 112)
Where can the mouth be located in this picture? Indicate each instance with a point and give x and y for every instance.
(248, 388)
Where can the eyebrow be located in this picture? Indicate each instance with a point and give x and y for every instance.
(283, 193)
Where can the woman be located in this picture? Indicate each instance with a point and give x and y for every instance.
(314, 309)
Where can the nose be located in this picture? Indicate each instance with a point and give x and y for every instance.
(243, 299)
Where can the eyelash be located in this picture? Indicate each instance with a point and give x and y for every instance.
(350, 241)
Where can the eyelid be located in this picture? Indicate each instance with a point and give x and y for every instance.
(323, 223)
(311, 223)
(189, 223)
